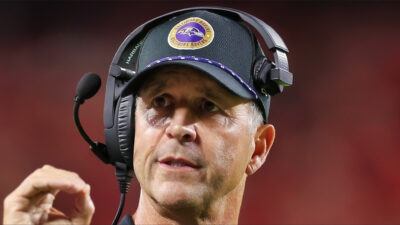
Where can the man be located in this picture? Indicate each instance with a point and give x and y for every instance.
(199, 131)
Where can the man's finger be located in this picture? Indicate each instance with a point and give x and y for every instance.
(55, 214)
(50, 179)
(84, 208)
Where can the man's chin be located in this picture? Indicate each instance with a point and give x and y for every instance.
(176, 195)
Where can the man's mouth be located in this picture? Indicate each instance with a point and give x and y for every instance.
(178, 163)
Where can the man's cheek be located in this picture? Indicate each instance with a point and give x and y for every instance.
(139, 157)
(222, 152)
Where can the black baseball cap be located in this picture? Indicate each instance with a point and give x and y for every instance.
(211, 43)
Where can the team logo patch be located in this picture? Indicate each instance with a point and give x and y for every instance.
(190, 34)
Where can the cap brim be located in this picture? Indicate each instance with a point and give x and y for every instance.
(221, 76)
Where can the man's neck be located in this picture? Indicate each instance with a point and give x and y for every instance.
(221, 211)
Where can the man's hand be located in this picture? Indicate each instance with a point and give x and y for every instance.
(32, 201)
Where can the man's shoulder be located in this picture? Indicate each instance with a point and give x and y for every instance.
(127, 220)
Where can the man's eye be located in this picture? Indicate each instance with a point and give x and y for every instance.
(209, 107)
(161, 102)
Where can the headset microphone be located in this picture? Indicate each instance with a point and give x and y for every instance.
(87, 87)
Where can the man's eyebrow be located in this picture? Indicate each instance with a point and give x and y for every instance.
(210, 93)
(153, 88)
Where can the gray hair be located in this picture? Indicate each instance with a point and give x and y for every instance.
(256, 118)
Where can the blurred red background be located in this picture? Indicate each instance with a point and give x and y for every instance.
(336, 156)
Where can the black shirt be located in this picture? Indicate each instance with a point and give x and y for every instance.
(127, 220)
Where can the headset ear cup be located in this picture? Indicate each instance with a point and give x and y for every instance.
(262, 77)
(125, 129)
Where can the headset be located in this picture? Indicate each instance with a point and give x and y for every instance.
(119, 106)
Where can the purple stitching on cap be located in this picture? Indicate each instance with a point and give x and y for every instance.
(204, 60)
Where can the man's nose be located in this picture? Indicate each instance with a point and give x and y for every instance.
(181, 126)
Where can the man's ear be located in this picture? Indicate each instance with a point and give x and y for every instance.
(263, 140)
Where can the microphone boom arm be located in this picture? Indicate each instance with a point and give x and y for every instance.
(97, 148)
(78, 123)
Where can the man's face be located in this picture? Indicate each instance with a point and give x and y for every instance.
(192, 138)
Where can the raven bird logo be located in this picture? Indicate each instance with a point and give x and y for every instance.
(191, 31)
